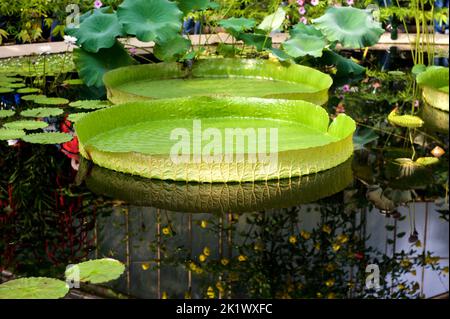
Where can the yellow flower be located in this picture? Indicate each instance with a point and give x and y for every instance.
(306, 235)
(164, 295)
(220, 287)
(145, 266)
(317, 246)
(414, 272)
(242, 258)
(330, 267)
(224, 261)
(405, 263)
(336, 246)
(329, 282)
(293, 240)
(331, 295)
(203, 224)
(206, 251)
(418, 244)
(202, 258)
(210, 292)
(401, 287)
(445, 270)
(342, 238)
(326, 229)
(166, 231)
(258, 247)
(319, 295)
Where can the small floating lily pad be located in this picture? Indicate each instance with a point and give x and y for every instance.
(409, 121)
(51, 101)
(33, 288)
(42, 112)
(6, 113)
(89, 104)
(74, 117)
(15, 85)
(48, 138)
(26, 125)
(4, 90)
(427, 161)
(28, 90)
(73, 82)
(32, 97)
(10, 134)
(96, 271)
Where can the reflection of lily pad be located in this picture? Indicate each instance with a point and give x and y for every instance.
(32, 97)
(48, 138)
(42, 112)
(28, 90)
(33, 288)
(51, 101)
(95, 271)
(6, 113)
(10, 134)
(26, 125)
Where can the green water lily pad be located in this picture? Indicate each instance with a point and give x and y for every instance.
(138, 138)
(10, 134)
(32, 97)
(75, 117)
(237, 24)
(73, 82)
(48, 138)
(98, 31)
(427, 161)
(51, 100)
(96, 271)
(406, 120)
(15, 85)
(273, 21)
(6, 113)
(28, 90)
(435, 83)
(150, 20)
(89, 104)
(26, 125)
(33, 288)
(42, 112)
(352, 27)
(4, 90)
(225, 77)
(92, 66)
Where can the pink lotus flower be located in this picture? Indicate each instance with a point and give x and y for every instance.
(98, 4)
(350, 2)
(301, 2)
(346, 88)
(314, 2)
(301, 10)
(304, 20)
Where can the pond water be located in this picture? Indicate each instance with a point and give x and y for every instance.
(309, 237)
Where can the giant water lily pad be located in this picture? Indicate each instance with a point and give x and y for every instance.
(33, 288)
(150, 20)
(10, 134)
(226, 77)
(435, 119)
(26, 125)
(42, 112)
(48, 138)
(217, 197)
(96, 271)
(434, 82)
(155, 139)
(352, 27)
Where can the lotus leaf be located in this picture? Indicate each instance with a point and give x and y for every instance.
(274, 21)
(172, 49)
(195, 5)
(236, 25)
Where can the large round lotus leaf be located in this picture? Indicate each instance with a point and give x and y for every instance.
(26, 125)
(237, 24)
(259, 41)
(92, 66)
(305, 40)
(28, 90)
(48, 138)
(142, 138)
(34, 288)
(4, 90)
(217, 197)
(150, 20)
(6, 113)
(98, 31)
(95, 271)
(89, 104)
(434, 82)
(352, 27)
(274, 21)
(32, 97)
(194, 5)
(42, 112)
(10, 134)
(51, 100)
(172, 49)
(344, 66)
(225, 77)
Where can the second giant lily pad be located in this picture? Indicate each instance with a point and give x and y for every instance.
(207, 139)
(434, 82)
(224, 77)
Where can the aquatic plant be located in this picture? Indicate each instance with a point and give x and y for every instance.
(434, 82)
